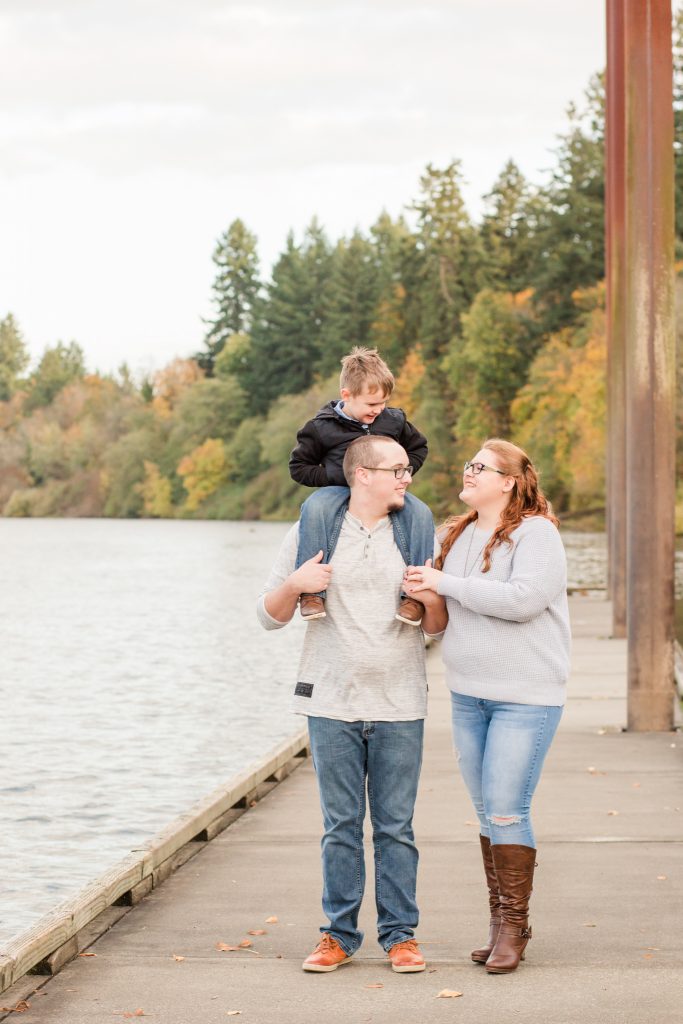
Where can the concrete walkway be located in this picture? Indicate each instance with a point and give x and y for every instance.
(608, 929)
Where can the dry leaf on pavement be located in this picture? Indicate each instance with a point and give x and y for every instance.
(612, 814)
(87, 954)
(21, 1007)
(256, 931)
(271, 920)
(661, 878)
(232, 1013)
(179, 959)
(246, 943)
(373, 986)
(223, 947)
(448, 993)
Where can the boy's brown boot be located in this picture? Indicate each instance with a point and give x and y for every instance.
(312, 607)
(410, 611)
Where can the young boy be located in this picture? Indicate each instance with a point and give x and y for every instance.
(365, 384)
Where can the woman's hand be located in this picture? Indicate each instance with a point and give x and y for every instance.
(421, 578)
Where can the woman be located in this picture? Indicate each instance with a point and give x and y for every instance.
(502, 570)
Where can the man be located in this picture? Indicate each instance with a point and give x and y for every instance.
(362, 685)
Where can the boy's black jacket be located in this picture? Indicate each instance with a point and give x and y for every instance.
(317, 459)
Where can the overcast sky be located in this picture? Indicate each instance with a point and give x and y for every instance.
(132, 132)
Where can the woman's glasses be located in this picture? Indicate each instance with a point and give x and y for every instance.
(477, 467)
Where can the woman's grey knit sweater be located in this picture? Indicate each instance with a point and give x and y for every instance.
(508, 636)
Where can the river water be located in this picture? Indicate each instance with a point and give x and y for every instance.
(134, 680)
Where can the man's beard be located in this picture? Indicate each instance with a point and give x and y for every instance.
(396, 505)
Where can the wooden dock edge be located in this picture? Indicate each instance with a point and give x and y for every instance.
(75, 924)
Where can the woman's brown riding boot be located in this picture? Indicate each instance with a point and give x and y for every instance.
(480, 956)
(514, 867)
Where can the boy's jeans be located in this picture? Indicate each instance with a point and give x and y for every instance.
(501, 748)
(389, 755)
(323, 513)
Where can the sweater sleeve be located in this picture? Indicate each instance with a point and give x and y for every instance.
(282, 568)
(414, 443)
(305, 461)
(539, 574)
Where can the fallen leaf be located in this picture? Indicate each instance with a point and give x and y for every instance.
(373, 986)
(271, 920)
(661, 878)
(448, 993)
(612, 814)
(21, 1007)
(232, 1013)
(178, 958)
(246, 943)
(256, 931)
(636, 785)
(589, 924)
(601, 732)
(136, 1013)
(87, 954)
(656, 948)
(223, 947)
(647, 956)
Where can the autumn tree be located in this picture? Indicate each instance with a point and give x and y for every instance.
(203, 471)
(487, 365)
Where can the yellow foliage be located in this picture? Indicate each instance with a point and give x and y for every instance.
(156, 492)
(404, 395)
(171, 382)
(203, 471)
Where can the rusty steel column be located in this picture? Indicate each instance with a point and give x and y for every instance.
(615, 215)
(650, 370)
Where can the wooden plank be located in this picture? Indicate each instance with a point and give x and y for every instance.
(49, 941)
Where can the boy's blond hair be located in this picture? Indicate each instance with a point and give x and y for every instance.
(365, 368)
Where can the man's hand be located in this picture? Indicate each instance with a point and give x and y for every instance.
(312, 576)
(309, 578)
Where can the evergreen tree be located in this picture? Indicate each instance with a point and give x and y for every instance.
(450, 258)
(507, 231)
(283, 350)
(570, 244)
(351, 301)
(236, 288)
(59, 365)
(14, 357)
(394, 327)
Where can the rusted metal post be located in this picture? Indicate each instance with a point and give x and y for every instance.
(615, 227)
(650, 370)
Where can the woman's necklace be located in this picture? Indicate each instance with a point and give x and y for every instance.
(477, 556)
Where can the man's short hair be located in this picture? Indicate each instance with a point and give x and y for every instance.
(364, 451)
(364, 368)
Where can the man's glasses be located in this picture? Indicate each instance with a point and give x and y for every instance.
(398, 471)
(477, 467)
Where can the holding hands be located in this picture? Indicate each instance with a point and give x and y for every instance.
(420, 579)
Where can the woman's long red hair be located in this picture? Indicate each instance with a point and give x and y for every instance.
(526, 499)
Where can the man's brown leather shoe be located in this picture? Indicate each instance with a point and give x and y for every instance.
(406, 957)
(312, 607)
(410, 611)
(327, 956)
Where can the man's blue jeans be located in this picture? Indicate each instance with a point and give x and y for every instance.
(323, 513)
(387, 756)
(501, 748)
